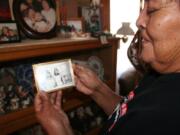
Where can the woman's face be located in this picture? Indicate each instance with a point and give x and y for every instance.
(5, 30)
(31, 13)
(38, 16)
(159, 23)
(45, 5)
(23, 7)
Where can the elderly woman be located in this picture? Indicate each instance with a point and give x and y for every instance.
(153, 107)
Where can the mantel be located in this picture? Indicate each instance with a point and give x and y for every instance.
(34, 48)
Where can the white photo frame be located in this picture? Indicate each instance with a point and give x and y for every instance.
(76, 24)
(55, 75)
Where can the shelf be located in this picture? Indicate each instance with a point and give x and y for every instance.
(32, 48)
(26, 117)
(94, 131)
(23, 118)
(17, 120)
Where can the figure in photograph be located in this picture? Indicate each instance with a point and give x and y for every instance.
(49, 13)
(13, 35)
(23, 8)
(58, 76)
(65, 73)
(50, 81)
(29, 17)
(41, 24)
(56, 71)
(66, 78)
(4, 34)
(30, 3)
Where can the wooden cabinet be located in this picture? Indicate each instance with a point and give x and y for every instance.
(76, 49)
(79, 49)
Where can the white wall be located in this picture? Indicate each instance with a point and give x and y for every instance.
(123, 11)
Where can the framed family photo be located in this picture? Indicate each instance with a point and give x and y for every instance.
(55, 75)
(76, 24)
(37, 18)
(9, 32)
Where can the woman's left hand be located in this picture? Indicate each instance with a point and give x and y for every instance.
(50, 114)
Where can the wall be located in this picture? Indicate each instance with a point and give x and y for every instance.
(123, 11)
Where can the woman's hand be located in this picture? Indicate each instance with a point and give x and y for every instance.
(50, 114)
(87, 81)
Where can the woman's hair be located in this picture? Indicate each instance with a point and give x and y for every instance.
(134, 52)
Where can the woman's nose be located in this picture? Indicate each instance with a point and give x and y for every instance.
(142, 20)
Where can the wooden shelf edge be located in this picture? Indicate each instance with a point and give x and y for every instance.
(23, 118)
(18, 120)
(14, 121)
(29, 50)
(13, 116)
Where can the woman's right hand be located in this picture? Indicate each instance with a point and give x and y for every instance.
(87, 81)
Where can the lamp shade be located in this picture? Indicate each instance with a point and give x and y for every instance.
(125, 29)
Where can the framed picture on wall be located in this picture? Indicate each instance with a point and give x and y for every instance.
(55, 75)
(9, 32)
(37, 18)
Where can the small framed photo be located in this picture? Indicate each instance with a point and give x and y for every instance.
(37, 18)
(9, 32)
(92, 17)
(76, 24)
(55, 75)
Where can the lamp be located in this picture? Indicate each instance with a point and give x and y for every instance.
(125, 30)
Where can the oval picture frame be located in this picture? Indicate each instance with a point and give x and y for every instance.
(36, 18)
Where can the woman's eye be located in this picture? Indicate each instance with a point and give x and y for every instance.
(151, 11)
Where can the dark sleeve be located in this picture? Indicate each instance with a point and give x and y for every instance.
(148, 122)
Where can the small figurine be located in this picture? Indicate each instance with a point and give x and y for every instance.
(22, 93)
(14, 103)
(11, 91)
(26, 102)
